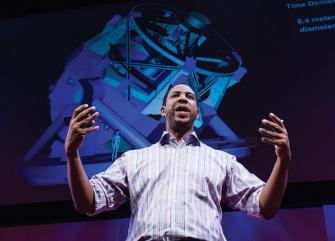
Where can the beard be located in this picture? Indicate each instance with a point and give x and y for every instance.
(181, 123)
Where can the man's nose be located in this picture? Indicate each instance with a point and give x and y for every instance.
(182, 98)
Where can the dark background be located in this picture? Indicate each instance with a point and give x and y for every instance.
(289, 73)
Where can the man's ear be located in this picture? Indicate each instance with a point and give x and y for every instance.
(163, 111)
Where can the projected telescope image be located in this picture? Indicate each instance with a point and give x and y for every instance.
(125, 72)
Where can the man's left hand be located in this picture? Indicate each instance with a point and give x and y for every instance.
(277, 137)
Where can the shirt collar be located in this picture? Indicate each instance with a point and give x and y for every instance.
(190, 139)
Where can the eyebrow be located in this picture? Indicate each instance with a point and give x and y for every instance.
(178, 92)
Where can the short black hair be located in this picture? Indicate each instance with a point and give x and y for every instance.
(168, 91)
(166, 95)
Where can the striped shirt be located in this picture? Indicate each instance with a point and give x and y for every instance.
(175, 189)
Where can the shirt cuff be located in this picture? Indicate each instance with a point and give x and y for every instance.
(100, 197)
(253, 207)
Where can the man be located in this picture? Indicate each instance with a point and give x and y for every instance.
(176, 185)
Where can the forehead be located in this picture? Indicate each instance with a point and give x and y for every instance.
(181, 88)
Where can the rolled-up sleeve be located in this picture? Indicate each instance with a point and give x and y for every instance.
(241, 189)
(110, 187)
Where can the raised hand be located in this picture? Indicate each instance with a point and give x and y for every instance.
(82, 123)
(277, 136)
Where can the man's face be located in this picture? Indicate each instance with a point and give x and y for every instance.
(181, 107)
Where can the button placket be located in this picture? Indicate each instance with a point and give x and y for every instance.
(177, 184)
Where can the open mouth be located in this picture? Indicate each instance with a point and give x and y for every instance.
(182, 109)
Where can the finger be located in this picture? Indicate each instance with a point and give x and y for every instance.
(88, 121)
(276, 119)
(274, 126)
(270, 134)
(89, 129)
(269, 141)
(78, 110)
(85, 113)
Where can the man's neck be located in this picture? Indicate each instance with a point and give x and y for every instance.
(179, 133)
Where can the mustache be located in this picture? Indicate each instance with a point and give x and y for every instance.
(182, 107)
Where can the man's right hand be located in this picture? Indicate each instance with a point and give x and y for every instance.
(82, 122)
